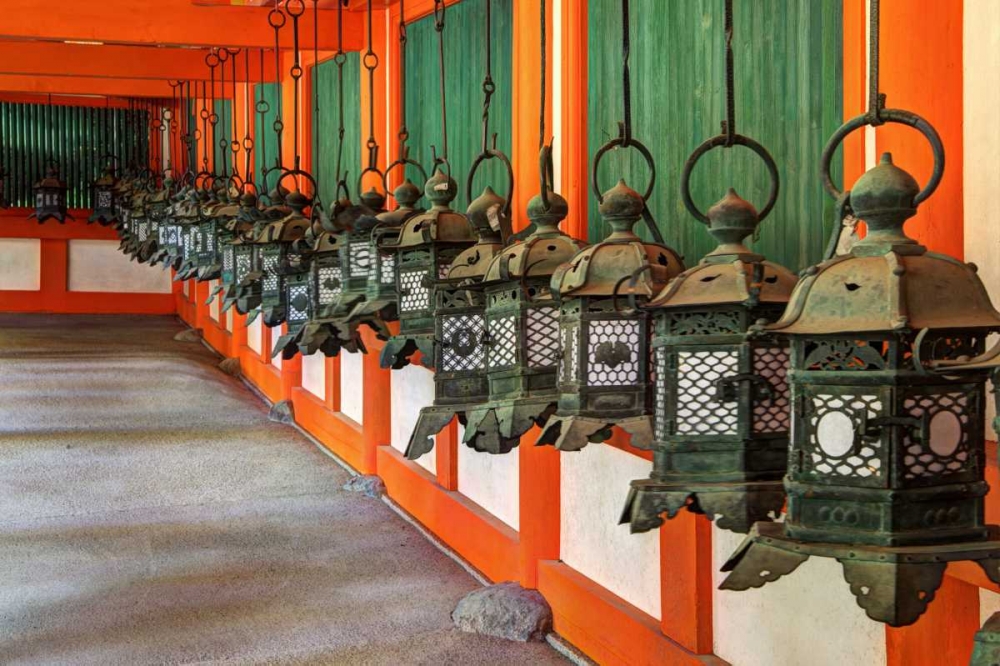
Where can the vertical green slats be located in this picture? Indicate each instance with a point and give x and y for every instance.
(788, 97)
(465, 62)
(352, 162)
(265, 140)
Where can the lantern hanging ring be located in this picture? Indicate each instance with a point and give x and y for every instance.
(726, 141)
(632, 280)
(276, 18)
(622, 141)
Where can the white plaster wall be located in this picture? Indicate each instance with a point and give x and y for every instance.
(276, 359)
(314, 374)
(97, 265)
(594, 483)
(981, 44)
(807, 617)
(989, 603)
(186, 288)
(255, 333)
(412, 388)
(213, 307)
(352, 386)
(230, 319)
(20, 264)
(491, 481)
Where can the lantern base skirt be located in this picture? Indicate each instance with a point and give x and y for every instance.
(206, 273)
(572, 433)
(498, 426)
(44, 217)
(382, 309)
(228, 298)
(215, 292)
(187, 271)
(734, 506)
(398, 350)
(274, 315)
(148, 252)
(104, 219)
(322, 337)
(432, 420)
(893, 585)
(287, 343)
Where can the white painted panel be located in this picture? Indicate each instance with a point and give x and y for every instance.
(352, 386)
(989, 603)
(230, 318)
(20, 264)
(981, 43)
(594, 483)
(314, 374)
(490, 481)
(97, 265)
(276, 359)
(255, 335)
(186, 289)
(213, 307)
(807, 617)
(412, 388)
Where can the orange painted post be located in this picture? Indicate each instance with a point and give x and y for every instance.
(54, 278)
(573, 142)
(376, 411)
(686, 581)
(446, 452)
(943, 635)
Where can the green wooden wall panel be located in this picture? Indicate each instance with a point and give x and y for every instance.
(325, 84)
(788, 97)
(465, 63)
(74, 136)
(265, 140)
(223, 130)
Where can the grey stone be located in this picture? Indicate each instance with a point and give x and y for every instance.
(282, 412)
(231, 366)
(504, 610)
(189, 335)
(366, 484)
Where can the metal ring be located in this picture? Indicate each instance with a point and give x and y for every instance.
(484, 157)
(203, 113)
(168, 114)
(213, 118)
(262, 106)
(248, 144)
(893, 116)
(296, 71)
(401, 162)
(273, 22)
(197, 134)
(222, 55)
(295, 13)
(361, 177)
(370, 57)
(340, 58)
(722, 140)
(212, 56)
(620, 143)
(298, 172)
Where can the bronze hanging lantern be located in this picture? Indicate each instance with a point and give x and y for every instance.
(138, 222)
(216, 216)
(103, 196)
(156, 210)
(461, 339)
(50, 196)
(237, 251)
(187, 215)
(281, 258)
(887, 453)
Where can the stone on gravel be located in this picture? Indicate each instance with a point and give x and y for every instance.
(190, 335)
(231, 366)
(366, 484)
(282, 412)
(504, 610)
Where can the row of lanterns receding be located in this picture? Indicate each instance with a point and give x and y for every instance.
(857, 393)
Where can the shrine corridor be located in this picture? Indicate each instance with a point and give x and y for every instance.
(150, 513)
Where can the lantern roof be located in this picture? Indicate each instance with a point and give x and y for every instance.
(888, 282)
(291, 227)
(407, 195)
(603, 268)
(732, 273)
(484, 215)
(440, 224)
(51, 180)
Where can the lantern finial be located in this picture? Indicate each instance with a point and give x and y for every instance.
(730, 221)
(441, 188)
(621, 208)
(884, 198)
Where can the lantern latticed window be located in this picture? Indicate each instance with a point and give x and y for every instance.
(170, 246)
(249, 268)
(50, 197)
(522, 329)
(237, 251)
(281, 257)
(217, 231)
(187, 216)
(603, 377)
(137, 228)
(428, 244)
(887, 453)
(461, 340)
(103, 197)
(721, 403)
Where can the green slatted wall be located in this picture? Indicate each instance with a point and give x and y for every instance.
(351, 160)
(265, 140)
(223, 130)
(465, 61)
(788, 97)
(74, 136)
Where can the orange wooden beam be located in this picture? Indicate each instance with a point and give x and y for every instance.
(166, 22)
(118, 62)
(82, 85)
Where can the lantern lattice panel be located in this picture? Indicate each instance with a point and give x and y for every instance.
(698, 411)
(269, 265)
(104, 199)
(360, 259)
(771, 416)
(621, 337)
(294, 313)
(227, 259)
(242, 266)
(187, 242)
(702, 323)
(414, 296)
(209, 240)
(142, 231)
(388, 268)
(503, 342)
(947, 452)
(172, 235)
(660, 396)
(543, 337)
(329, 288)
(465, 350)
(832, 427)
(570, 354)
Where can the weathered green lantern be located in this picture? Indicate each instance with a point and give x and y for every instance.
(137, 227)
(603, 378)
(522, 324)
(216, 231)
(50, 196)
(156, 210)
(462, 342)
(721, 402)
(187, 216)
(237, 250)
(280, 257)
(103, 196)
(249, 273)
(428, 244)
(887, 453)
